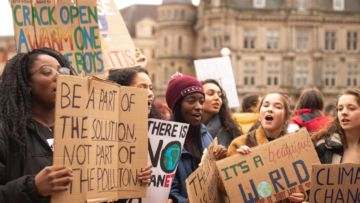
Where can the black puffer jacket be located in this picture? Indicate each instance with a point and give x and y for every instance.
(20, 162)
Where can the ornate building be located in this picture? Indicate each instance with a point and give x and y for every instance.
(276, 45)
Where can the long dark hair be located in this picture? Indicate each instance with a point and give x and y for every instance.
(334, 126)
(15, 96)
(311, 98)
(249, 101)
(193, 137)
(251, 139)
(227, 122)
(125, 77)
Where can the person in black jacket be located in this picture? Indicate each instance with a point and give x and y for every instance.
(27, 114)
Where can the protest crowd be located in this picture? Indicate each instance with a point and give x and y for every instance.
(267, 151)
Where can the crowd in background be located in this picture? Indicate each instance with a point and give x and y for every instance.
(27, 113)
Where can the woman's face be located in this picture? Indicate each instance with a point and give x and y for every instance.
(348, 112)
(192, 108)
(213, 99)
(43, 75)
(142, 80)
(272, 114)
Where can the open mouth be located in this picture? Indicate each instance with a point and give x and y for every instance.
(344, 120)
(197, 116)
(149, 103)
(216, 105)
(269, 118)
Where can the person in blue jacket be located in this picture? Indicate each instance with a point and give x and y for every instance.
(185, 96)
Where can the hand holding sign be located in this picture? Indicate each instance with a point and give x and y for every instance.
(219, 152)
(53, 179)
(144, 176)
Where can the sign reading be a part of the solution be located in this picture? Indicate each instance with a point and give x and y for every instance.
(101, 133)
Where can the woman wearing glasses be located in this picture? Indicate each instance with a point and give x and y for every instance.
(27, 114)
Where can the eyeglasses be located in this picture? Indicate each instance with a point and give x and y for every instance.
(50, 71)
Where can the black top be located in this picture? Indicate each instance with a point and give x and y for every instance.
(20, 162)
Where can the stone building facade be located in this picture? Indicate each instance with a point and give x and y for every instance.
(276, 45)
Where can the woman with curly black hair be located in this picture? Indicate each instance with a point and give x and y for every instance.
(27, 114)
(137, 77)
(217, 116)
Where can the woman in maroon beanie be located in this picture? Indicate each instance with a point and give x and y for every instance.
(185, 96)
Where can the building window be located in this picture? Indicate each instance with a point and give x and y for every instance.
(217, 38)
(153, 55)
(272, 40)
(338, 5)
(301, 4)
(330, 75)
(259, 3)
(183, 14)
(301, 40)
(301, 74)
(352, 41)
(153, 77)
(166, 74)
(180, 43)
(165, 42)
(330, 40)
(249, 39)
(249, 73)
(273, 74)
(153, 31)
(352, 75)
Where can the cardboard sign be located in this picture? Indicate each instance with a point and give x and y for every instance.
(271, 172)
(101, 133)
(70, 28)
(202, 184)
(166, 140)
(91, 34)
(335, 183)
(219, 69)
(117, 45)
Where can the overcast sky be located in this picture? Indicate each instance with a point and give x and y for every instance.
(6, 24)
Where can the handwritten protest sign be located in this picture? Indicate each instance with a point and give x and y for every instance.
(202, 184)
(335, 183)
(271, 172)
(219, 69)
(70, 27)
(117, 45)
(101, 133)
(166, 140)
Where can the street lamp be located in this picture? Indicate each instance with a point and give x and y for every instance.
(225, 51)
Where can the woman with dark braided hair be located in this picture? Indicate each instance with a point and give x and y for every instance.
(27, 114)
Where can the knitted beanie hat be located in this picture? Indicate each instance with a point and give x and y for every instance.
(180, 86)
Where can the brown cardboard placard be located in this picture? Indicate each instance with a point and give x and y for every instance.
(101, 133)
(335, 183)
(271, 172)
(70, 27)
(202, 184)
(117, 45)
